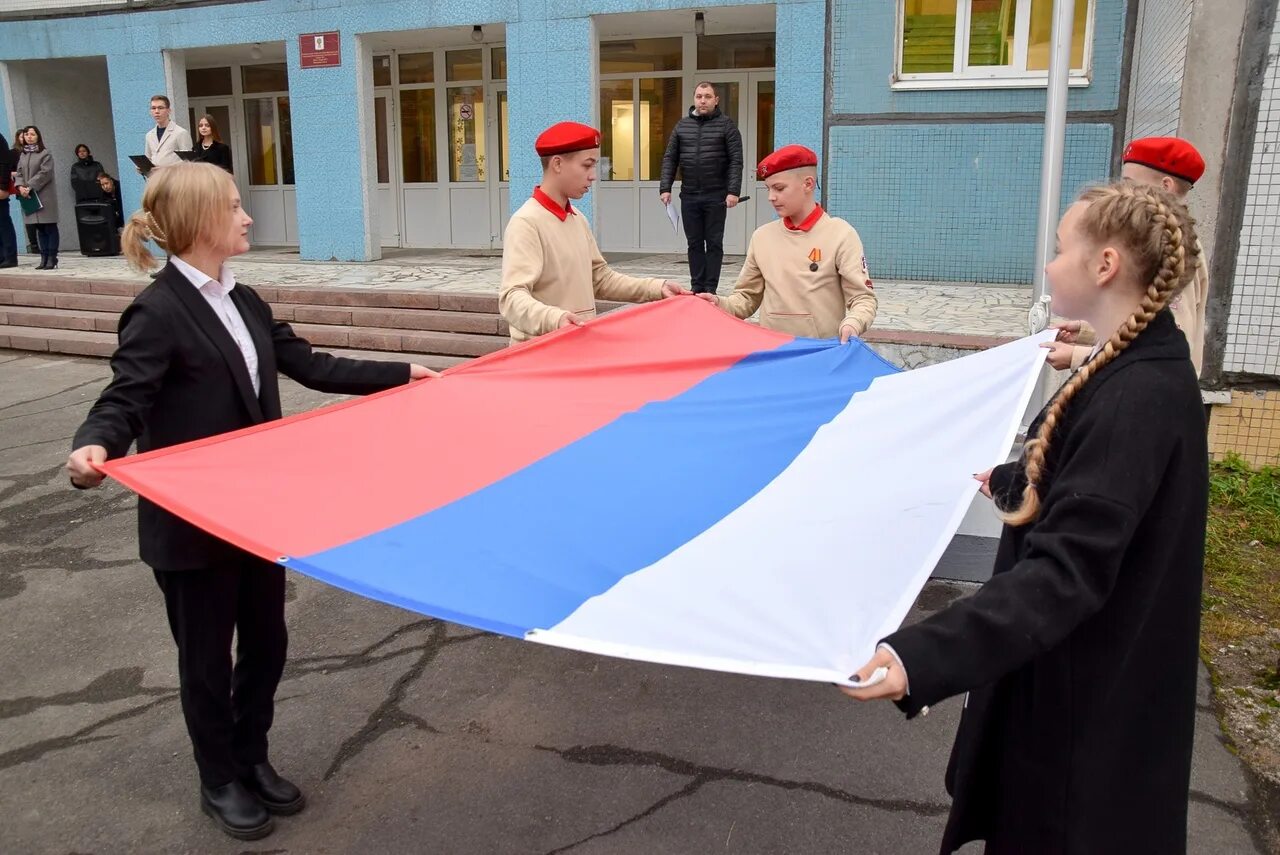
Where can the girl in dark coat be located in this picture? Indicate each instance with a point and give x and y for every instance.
(84, 175)
(1080, 654)
(109, 191)
(209, 146)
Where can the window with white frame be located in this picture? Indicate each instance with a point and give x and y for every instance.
(984, 43)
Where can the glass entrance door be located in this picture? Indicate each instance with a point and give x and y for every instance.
(747, 98)
(447, 145)
(223, 113)
(387, 195)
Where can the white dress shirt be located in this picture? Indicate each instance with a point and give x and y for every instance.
(217, 293)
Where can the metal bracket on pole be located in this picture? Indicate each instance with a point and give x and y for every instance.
(1039, 313)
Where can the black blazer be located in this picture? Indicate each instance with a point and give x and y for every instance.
(1080, 654)
(179, 376)
(219, 154)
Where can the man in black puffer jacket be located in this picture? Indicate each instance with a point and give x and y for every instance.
(707, 148)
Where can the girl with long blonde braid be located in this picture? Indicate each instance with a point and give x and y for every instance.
(1080, 655)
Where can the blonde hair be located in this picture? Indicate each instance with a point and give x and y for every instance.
(1157, 235)
(182, 205)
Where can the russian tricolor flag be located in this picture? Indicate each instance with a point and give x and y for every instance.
(666, 483)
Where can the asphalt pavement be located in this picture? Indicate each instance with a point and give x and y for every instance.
(414, 735)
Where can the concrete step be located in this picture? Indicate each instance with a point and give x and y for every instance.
(408, 341)
(63, 319)
(12, 281)
(50, 340)
(438, 320)
(102, 344)
(60, 300)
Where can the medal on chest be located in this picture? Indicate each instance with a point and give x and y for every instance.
(815, 256)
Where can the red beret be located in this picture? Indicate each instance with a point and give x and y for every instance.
(564, 137)
(1169, 155)
(787, 157)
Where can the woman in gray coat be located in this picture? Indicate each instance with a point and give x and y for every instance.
(35, 176)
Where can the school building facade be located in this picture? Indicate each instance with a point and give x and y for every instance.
(359, 127)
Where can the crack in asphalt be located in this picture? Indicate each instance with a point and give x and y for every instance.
(118, 684)
(30, 523)
(684, 792)
(37, 442)
(42, 412)
(1236, 809)
(84, 736)
(390, 715)
(98, 381)
(701, 775)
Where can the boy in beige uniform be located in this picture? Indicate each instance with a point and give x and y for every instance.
(1175, 165)
(552, 270)
(806, 272)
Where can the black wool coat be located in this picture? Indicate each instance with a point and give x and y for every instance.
(707, 150)
(179, 376)
(1080, 655)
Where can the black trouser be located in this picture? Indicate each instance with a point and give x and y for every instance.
(48, 237)
(228, 711)
(8, 237)
(704, 227)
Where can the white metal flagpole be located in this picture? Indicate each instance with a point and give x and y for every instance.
(1055, 127)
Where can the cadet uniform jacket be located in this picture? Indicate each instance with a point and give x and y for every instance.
(779, 278)
(551, 267)
(1080, 654)
(1188, 311)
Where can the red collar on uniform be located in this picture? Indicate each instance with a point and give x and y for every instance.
(551, 205)
(808, 221)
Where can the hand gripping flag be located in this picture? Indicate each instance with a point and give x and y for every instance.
(667, 484)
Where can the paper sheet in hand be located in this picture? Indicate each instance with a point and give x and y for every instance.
(553, 491)
(674, 216)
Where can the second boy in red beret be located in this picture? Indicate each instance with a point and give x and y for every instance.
(552, 270)
(805, 272)
(1175, 165)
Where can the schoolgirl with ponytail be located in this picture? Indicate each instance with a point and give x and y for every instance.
(1080, 655)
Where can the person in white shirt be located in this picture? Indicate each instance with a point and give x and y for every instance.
(198, 356)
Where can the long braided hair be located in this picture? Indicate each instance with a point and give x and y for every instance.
(1155, 232)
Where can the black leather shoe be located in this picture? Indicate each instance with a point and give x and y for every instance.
(276, 794)
(44, 262)
(234, 809)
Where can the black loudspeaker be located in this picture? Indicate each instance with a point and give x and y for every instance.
(96, 225)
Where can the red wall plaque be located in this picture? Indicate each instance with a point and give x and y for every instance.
(320, 49)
